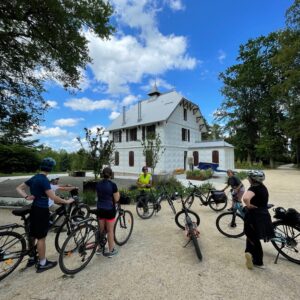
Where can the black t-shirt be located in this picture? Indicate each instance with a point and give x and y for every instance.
(261, 196)
(233, 181)
(105, 190)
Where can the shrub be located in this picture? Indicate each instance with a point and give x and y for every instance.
(199, 174)
(89, 198)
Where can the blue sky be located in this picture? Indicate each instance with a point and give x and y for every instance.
(180, 44)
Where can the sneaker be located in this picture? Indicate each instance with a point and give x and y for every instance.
(99, 251)
(249, 262)
(31, 262)
(111, 254)
(263, 267)
(48, 265)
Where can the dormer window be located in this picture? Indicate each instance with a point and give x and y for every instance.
(185, 114)
(117, 136)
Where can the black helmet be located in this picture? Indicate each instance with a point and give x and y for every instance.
(47, 164)
(144, 168)
(256, 175)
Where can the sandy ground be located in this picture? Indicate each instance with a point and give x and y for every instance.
(154, 264)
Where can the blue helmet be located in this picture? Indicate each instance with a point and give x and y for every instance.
(47, 164)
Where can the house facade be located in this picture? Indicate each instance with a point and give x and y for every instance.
(180, 125)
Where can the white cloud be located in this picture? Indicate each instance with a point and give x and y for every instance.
(128, 100)
(52, 104)
(52, 132)
(69, 122)
(222, 55)
(126, 59)
(159, 83)
(85, 104)
(113, 115)
(175, 4)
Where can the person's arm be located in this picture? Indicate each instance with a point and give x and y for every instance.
(57, 199)
(225, 188)
(149, 185)
(21, 189)
(247, 199)
(67, 188)
(116, 197)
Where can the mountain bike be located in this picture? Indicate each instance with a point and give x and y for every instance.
(15, 242)
(150, 202)
(81, 245)
(189, 221)
(216, 200)
(287, 233)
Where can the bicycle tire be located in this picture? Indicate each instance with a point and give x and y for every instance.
(123, 227)
(217, 206)
(180, 218)
(188, 202)
(10, 254)
(287, 240)
(172, 206)
(145, 210)
(196, 245)
(74, 255)
(64, 231)
(82, 210)
(230, 227)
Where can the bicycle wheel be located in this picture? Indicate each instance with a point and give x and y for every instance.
(65, 230)
(172, 206)
(230, 224)
(78, 249)
(287, 241)
(12, 249)
(180, 218)
(145, 209)
(189, 201)
(216, 205)
(123, 227)
(196, 245)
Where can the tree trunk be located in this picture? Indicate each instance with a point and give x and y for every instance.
(272, 163)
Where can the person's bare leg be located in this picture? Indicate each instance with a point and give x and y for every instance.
(110, 235)
(41, 248)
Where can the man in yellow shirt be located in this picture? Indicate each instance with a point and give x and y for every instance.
(144, 184)
(144, 181)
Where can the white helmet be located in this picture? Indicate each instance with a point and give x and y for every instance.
(53, 177)
(256, 175)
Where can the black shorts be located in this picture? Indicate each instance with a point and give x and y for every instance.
(105, 214)
(39, 222)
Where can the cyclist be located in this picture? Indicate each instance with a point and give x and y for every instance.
(144, 183)
(258, 223)
(108, 195)
(237, 187)
(40, 190)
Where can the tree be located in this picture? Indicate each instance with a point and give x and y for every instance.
(39, 40)
(287, 60)
(253, 114)
(99, 152)
(152, 149)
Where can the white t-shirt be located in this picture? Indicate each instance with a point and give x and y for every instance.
(54, 187)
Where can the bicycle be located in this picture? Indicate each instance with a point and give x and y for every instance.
(189, 221)
(81, 245)
(216, 200)
(287, 233)
(15, 241)
(148, 203)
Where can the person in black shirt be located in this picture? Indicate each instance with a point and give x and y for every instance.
(258, 223)
(236, 185)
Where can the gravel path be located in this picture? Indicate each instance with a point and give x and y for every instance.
(154, 264)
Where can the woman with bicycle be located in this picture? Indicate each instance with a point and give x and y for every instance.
(258, 223)
(40, 190)
(108, 195)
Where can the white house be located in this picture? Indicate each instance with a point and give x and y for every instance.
(179, 123)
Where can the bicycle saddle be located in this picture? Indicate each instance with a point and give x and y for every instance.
(21, 212)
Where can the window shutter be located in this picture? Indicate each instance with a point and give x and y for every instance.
(131, 158)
